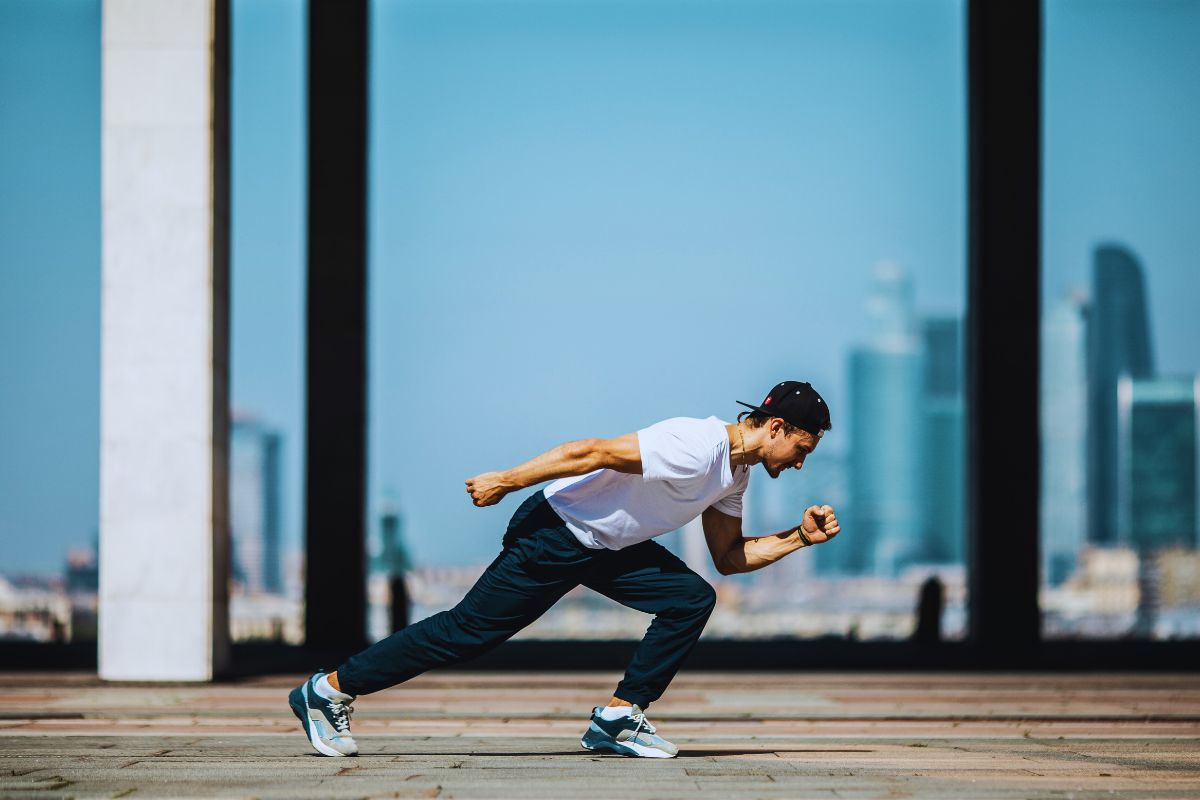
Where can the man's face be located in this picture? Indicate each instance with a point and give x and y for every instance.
(787, 450)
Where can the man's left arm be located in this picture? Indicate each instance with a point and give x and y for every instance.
(732, 553)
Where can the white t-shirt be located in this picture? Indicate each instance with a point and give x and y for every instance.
(685, 469)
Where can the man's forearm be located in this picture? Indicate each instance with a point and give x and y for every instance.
(756, 552)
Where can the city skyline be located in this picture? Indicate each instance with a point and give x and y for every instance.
(781, 165)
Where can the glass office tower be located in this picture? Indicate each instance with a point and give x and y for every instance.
(1118, 344)
(1064, 437)
(886, 441)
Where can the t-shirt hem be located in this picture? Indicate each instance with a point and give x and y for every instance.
(585, 537)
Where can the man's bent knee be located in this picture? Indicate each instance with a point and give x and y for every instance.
(699, 598)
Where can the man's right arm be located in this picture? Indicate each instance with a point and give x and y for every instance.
(573, 458)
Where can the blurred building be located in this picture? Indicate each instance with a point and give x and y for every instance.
(81, 581)
(34, 608)
(1100, 599)
(1156, 483)
(1106, 582)
(53, 608)
(254, 507)
(1064, 409)
(1179, 578)
(943, 467)
(263, 606)
(1118, 344)
(393, 556)
(389, 606)
(825, 479)
(1156, 458)
(886, 378)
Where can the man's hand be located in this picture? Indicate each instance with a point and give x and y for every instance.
(487, 489)
(820, 524)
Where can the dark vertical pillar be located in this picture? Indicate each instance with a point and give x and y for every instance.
(335, 470)
(1004, 86)
(222, 654)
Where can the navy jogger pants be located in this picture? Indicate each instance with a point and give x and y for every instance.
(540, 562)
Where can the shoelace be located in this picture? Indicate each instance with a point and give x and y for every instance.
(341, 715)
(642, 722)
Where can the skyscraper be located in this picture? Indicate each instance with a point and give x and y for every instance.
(393, 557)
(1064, 407)
(1118, 344)
(254, 506)
(1156, 463)
(824, 481)
(943, 489)
(886, 437)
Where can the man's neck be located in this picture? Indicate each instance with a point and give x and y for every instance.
(744, 445)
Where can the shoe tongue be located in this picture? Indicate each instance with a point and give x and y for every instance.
(636, 710)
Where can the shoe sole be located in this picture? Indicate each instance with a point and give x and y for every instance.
(628, 749)
(298, 700)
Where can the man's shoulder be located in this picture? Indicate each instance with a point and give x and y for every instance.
(700, 426)
(692, 432)
(700, 443)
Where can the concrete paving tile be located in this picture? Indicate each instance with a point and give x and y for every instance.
(471, 735)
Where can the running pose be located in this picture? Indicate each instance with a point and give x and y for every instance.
(594, 525)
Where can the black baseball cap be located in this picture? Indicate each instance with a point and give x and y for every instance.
(796, 403)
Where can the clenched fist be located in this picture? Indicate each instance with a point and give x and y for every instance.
(820, 524)
(486, 489)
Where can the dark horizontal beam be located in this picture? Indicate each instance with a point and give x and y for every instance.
(783, 654)
(710, 654)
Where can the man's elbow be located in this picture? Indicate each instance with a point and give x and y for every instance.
(724, 567)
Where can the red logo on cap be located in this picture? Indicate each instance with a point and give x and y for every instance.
(767, 402)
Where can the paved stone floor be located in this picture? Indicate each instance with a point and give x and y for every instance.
(503, 735)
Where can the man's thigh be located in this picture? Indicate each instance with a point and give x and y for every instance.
(647, 577)
(517, 587)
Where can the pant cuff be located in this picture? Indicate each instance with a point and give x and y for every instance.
(346, 681)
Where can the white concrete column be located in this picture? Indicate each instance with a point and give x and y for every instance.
(164, 340)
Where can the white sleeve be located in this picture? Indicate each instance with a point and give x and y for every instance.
(671, 452)
(731, 504)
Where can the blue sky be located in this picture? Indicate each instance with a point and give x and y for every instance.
(585, 217)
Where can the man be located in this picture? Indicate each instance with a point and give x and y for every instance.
(594, 525)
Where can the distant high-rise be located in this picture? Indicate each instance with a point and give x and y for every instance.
(886, 437)
(254, 506)
(1118, 344)
(1064, 407)
(1156, 459)
(943, 489)
(393, 556)
(823, 481)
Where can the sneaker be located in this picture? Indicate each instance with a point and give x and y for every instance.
(326, 722)
(628, 736)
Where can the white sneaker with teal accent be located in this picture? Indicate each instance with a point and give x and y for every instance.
(629, 736)
(326, 722)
